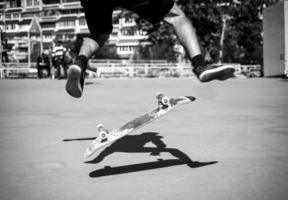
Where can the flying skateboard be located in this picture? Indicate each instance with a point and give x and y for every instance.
(106, 137)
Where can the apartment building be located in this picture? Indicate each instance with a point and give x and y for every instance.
(61, 19)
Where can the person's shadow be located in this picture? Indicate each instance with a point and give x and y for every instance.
(136, 144)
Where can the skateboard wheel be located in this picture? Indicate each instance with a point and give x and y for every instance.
(103, 134)
(165, 101)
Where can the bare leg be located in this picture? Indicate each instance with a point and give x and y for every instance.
(91, 46)
(188, 38)
(76, 72)
(184, 31)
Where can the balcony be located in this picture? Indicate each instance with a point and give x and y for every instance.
(51, 6)
(14, 9)
(71, 5)
(53, 18)
(31, 9)
(132, 37)
(70, 15)
(2, 6)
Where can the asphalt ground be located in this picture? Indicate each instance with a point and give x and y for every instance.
(231, 143)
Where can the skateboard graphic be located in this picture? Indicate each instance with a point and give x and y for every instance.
(105, 137)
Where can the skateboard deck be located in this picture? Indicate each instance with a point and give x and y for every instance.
(106, 137)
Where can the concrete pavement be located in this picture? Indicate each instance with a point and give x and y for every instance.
(231, 143)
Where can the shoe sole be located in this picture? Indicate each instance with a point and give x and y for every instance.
(73, 85)
(220, 73)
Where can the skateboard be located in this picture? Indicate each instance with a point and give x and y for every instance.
(106, 137)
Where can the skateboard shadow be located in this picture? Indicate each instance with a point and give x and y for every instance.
(136, 144)
(79, 139)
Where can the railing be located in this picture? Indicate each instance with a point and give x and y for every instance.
(249, 71)
(18, 70)
(118, 68)
(127, 61)
(132, 70)
(107, 69)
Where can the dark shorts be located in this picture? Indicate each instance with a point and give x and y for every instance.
(99, 17)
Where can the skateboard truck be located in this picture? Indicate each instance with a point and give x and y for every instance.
(163, 101)
(103, 133)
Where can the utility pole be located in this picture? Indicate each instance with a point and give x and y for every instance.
(1, 47)
(224, 24)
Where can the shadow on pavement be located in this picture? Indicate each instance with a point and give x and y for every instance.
(78, 139)
(136, 144)
(108, 171)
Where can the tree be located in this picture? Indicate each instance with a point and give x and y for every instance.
(108, 51)
(243, 42)
(243, 37)
(160, 44)
(159, 51)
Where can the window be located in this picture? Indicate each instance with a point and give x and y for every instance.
(32, 2)
(49, 13)
(70, 1)
(115, 21)
(72, 11)
(27, 15)
(51, 1)
(8, 16)
(24, 26)
(114, 34)
(15, 3)
(67, 23)
(48, 37)
(129, 32)
(10, 27)
(29, 2)
(36, 2)
(126, 49)
(16, 16)
(128, 20)
(82, 22)
(48, 25)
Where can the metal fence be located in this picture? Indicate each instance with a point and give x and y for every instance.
(109, 69)
(151, 70)
(106, 70)
(18, 70)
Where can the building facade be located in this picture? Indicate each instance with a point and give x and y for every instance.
(61, 20)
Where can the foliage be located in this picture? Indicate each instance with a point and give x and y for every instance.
(161, 51)
(108, 51)
(243, 35)
(161, 42)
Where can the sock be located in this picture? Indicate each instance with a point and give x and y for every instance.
(81, 60)
(198, 61)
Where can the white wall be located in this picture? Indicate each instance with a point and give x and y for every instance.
(286, 35)
(274, 39)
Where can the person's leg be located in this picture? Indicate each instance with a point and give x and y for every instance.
(65, 69)
(188, 38)
(48, 68)
(184, 31)
(76, 72)
(58, 68)
(39, 72)
(99, 21)
(91, 45)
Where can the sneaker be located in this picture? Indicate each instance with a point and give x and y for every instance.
(214, 72)
(76, 77)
